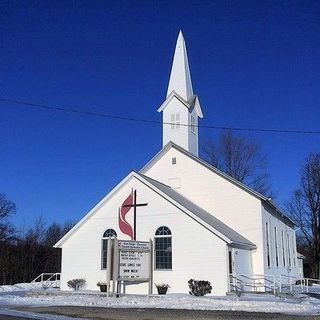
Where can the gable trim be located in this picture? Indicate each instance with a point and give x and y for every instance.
(192, 103)
(93, 210)
(171, 144)
(275, 210)
(141, 179)
(172, 95)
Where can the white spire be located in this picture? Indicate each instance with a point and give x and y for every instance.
(181, 109)
(180, 80)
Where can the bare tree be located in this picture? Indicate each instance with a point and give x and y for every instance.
(55, 232)
(304, 207)
(7, 208)
(7, 235)
(27, 252)
(241, 159)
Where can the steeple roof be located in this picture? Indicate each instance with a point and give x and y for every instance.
(180, 80)
(181, 103)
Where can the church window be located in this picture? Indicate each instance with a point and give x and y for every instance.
(172, 121)
(109, 233)
(163, 248)
(289, 251)
(174, 160)
(276, 246)
(293, 252)
(268, 245)
(192, 124)
(283, 250)
(175, 121)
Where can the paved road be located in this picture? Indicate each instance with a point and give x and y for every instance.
(155, 314)
(11, 314)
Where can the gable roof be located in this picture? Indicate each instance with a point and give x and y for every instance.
(92, 211)
(191, 103)
(198, 214)
(235, 238)
(274, 209)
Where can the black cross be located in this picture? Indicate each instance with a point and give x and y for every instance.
(135, 205)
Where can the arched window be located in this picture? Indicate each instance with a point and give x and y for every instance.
(109, 233)
(163, 248)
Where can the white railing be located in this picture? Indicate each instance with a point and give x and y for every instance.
(48, 279)
(306, 283)
(297, 285)
(286, 283)
(252, 283)
(270, 283)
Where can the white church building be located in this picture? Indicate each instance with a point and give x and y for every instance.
(204, 224)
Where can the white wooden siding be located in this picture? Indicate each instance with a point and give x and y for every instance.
(197, 253)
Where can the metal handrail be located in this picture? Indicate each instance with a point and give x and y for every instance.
(55, 277)
(269, 282)
(257, 278)
(305, 282)
(253, 278)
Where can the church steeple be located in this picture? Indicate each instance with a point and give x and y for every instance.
(180, 79)
(181, 109)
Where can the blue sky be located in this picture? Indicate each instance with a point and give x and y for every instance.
(253, 64)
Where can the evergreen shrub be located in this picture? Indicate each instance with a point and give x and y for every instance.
(199, 287)
(76, 284)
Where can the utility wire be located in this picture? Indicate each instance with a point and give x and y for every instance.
(116, 117)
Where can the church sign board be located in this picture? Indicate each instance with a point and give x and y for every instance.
(131, 263)
(134, 260)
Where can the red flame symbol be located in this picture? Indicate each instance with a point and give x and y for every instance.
(124, 225)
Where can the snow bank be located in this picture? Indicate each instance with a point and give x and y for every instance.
(21, 287)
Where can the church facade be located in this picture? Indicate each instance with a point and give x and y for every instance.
(204, 224)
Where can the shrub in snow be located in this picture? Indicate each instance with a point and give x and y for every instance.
(199, 287)
(76, 284)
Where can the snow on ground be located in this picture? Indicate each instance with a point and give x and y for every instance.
(34, 295)
(21, 287)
